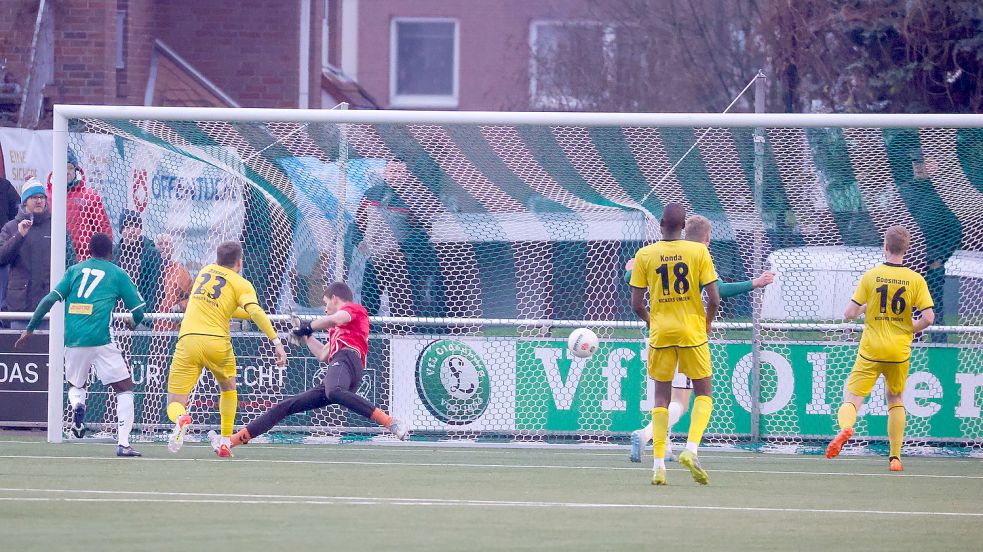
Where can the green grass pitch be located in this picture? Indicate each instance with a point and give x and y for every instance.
(286, 498)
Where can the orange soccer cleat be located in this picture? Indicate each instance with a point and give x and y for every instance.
(837, 443)
(224, 452)
(895, 464)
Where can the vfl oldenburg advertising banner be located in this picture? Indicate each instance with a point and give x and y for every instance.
(534, 384)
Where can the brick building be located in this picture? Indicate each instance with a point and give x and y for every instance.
(417, 54)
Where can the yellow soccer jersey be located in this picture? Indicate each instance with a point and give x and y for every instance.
(674, 272)
(215, 296)
(890, 292)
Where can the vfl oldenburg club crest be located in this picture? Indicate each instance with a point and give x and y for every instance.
(452, 382)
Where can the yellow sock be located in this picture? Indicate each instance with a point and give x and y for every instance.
(847, 415)
(660, 426)
(175, 410)
(700, 418)
(895, 428)
(228, 401)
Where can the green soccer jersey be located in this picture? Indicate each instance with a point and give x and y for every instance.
(90, 290)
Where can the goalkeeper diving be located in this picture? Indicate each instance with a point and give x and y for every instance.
(345, 352)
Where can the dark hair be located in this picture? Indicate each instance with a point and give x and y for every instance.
(339, 290)
(101, 246)
(228, 253)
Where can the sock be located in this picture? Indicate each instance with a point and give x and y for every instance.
(381, 418)
(124, 415)
(660, 423)
(895, 428)
(647, 435)
(658, 462)
(228, 401)
(175, 410)
(702, 408)
(675, 413)
(76, 396)
(847, 415)
(240, 438)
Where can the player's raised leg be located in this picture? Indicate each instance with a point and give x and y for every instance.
(181, 379)
(858, 386)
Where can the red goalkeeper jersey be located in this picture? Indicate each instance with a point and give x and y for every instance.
(354, 334)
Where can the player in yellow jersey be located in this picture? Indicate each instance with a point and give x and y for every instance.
(888, 294)
(219, 294)
(673, 271)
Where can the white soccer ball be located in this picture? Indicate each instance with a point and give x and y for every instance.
(582, 343)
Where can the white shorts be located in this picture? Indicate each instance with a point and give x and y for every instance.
(680, 381)
(106, 359)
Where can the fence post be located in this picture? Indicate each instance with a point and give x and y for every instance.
(758, 262)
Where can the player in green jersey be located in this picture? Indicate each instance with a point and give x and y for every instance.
(90, 290)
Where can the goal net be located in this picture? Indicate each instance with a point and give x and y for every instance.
(478, 241)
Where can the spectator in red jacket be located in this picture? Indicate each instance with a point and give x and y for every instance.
(85, 214)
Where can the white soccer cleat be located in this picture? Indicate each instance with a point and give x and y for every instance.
(176, 440)
(398, 430)
(670, 457)
(214, 439)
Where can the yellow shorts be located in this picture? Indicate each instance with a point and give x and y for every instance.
(194, 352)
(692, 361)
(865, 372)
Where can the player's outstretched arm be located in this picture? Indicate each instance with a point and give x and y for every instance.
(258, 316)
(42, 309)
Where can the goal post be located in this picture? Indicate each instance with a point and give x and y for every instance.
(479, 240)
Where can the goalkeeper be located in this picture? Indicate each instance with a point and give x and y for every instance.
(90, 290)
(697, 230)
(348, 344)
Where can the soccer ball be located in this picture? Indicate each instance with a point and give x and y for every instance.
(582, 343)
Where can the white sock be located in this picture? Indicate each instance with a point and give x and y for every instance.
(675, 413)
(692, 446)
(227, 441)
(658, 463)
(76, 396)
(124, 414)
(647, 435)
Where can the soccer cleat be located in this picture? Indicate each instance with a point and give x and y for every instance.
(895, 464)
(659, 477)
(398, 430)
(224, 452)
(669, 457)
(836, 445)
(214, 439)
(635, 453)
(692, 463)
(176, 440)
(127, 452)
(78, 421)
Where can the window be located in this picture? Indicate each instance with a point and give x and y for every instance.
(423, 67)
(575, 64)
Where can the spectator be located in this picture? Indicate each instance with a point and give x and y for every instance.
(85, 214)
(176, 284)
(137, 255)
(9, 207)
(25, 248)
